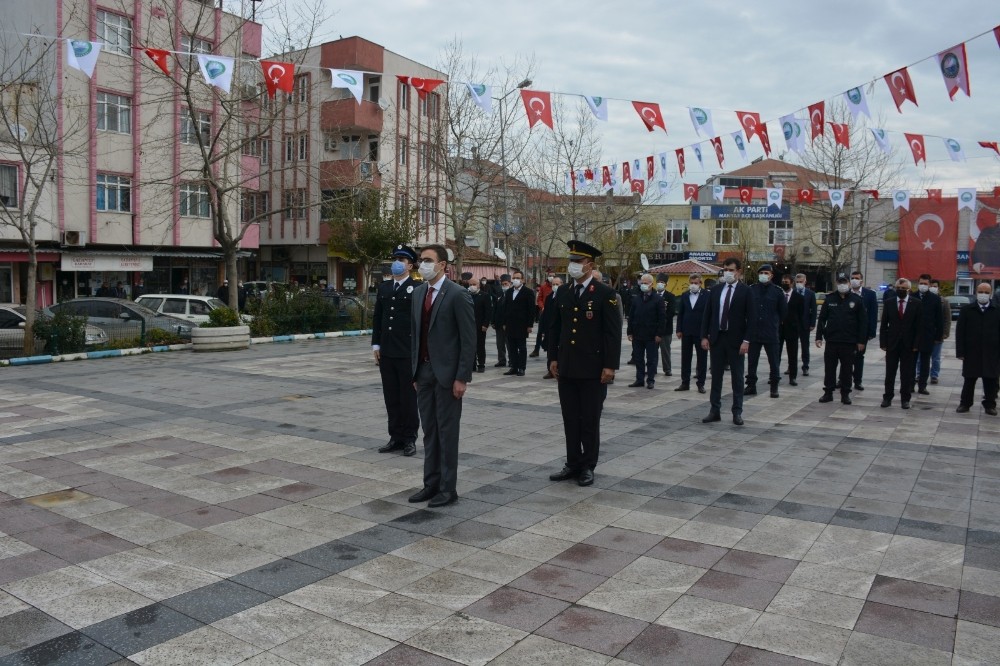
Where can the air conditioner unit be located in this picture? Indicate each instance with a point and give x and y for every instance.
(807, 250)
(676, 247)
(75, 238)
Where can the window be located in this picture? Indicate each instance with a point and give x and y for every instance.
(350, 147)
(175, 306)
(198, 308)
(373, 149)
(114, 193)
(300, 91)
(8, 186)
(255, 205)
(834, 238)
(191, 44)
(194, 200)
(677, 232)
(428, 211)
(403, 201)
(289, 148)
(736, 183)
(195, 123)
(114, 113)
(429, 105)
(779, 232)
(329, 142)
(404, 147)
(115, 31)
(374, 85)
(727, 232)
(294, 204)
(303, 146)
(404, 96)
(423, 155)
(249, 146)
(264, 147)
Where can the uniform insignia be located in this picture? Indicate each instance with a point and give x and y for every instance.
(851, 304)
(613, 301)
(409, 289)
(591, 288)
(590, 314)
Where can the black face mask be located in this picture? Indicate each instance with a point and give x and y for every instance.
(786, 287)
(901, 293)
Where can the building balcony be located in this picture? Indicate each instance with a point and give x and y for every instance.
(352, 53)
(342, 174)
(347, 114)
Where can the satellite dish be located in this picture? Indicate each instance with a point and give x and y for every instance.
(501, 255)
(644, 260)
(451, 255)
(383, 103)
(19, 132)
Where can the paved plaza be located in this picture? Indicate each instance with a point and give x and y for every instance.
(232, 509)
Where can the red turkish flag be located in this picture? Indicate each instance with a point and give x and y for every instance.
(805, 196)
(841, 134)
(746, 194)
(817, 118)
(605, 176)
(928, 237)
(650, 114)
(901, 87)
(991, 145)
(934, 195)
(650, 168)
(588, 174)
(159, 56)
(638, 187)
(690, 191)
(538, 106)
(719, 155)
(996, 33)
(422, 86)
(996, 191)
(916, 142)
(872, 193)
(680, 160)
(626, 172)
(278, 76)
(750, 121)
(764, 140)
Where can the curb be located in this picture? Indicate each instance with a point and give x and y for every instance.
(138, 351)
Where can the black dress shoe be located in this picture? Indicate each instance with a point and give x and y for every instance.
(512, 371)
(391, 446)
(962, 409)
(533, 354)
(631, 362)
(701, 388)
(649, 385)
(442, 499)
(905, 404)
(827, 397)
(885, 403)
(667, 374)
(564, 474)
(859, 387)
(636, 384)
(423, 495)
(792, 382)
(924, 391)
(712, 416)
(520, 373)
(410, 449)
(805, 372)
(750, 390)
(501, 364)
(992, 411)
(774, 391)
(683, 387)
(479, 368)
(934, 380)
(586, 478)
(737, 419)
(845, 400)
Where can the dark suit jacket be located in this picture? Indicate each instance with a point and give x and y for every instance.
(812, 310)
(519, 313)
(742, 314)
(689, 318)
(483, 305)
(391, 321)
(796, 319)
(647, 317)
(770, 309)
(586, 333)
(977, 341)
(548, 316)
(870, 299)
(932, 328)
(893, 332)
(451, 339)
(669, 310)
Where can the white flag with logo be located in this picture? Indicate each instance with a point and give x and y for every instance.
(83, 55)
(216, 70)
(702, 121)
(967, 198)
(788, 127)
(697, 153)
(801, 132)
(837, 198)
(901, 199)
(741, 144)
(614, 174)
(857, 103)
(664, 186)
(482, 95)
(774, 196)
(719, 193)
(663, 165)
(955, 151)
(882, 139)
(346, 78)
(599, 106)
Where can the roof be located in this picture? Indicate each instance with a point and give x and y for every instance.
(803, 177)
(685, 267)
(474, 256)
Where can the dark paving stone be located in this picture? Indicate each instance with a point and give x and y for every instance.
(931, 531)
(466, 508)
(687, 552)
(254, 504)
(216, 601)
(475, 533)
(143, 628)
(744, 655)
(983, 539)
(27, 565)
(280, 577)
(170, 506)
(517, 608)
(815, 514)
(425, 521)
(382, 538)
(981, 608)
(745, 503)
(593, 630)
(335, 556)
(51, 536)
(628, 541)
(404, 655)
(207, 516)
(26, 628)
(296, 492)
(593, 559)
(693, 495)
(91, 548)
(74, 649)
(663, 646)
(735, 590)
(495, 494)
(558, 582)
(910, 626)
(982, 558)
(865, 521)
(716, 515)
(915, 596)
(670, 507)
(754, 565)
(639, 487)
(528, 484)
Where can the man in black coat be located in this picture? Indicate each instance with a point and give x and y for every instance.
(809, 296)
(138, 289)
(547, 317)
(222, 293)
(391, 345)
(843, 323)
(771, 309)
(646, 328)
(518, 321)
(792, 325)
(669, 311)
(931, 331)
(482, 305)
(499, 297)
(726, 330)
(977, 345)
(898, 337)
(690, 312)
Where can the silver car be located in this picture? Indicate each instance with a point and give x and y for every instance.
(12, 319)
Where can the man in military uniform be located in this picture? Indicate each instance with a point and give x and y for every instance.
(391, 347)
(843, 323)
(584, 344)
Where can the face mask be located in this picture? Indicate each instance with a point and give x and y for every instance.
(555, 288)
(787, 287)
(644, 287)
(516, 283)
(982, 299)
(763, 278)
(855, 283)
(901, 293)
(800, 286)
(398, 268)
(922, 288)
(934, 290)
(575, 270)
(504, 289)
(474, 289)
(549, 278)
(729, 277)
(843, 288)
(694, 288)
(660, 286)
(427, 270)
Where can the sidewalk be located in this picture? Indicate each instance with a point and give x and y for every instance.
(231, 509)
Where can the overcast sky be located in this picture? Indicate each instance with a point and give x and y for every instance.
(773, 57)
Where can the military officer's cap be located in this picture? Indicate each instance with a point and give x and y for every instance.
(580, 250)
(466, 276)
(405, 251)
(765, 267)
(842, 278)
(505, 277)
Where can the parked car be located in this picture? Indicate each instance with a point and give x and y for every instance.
(956, 303)
(115, 314)
(12, 319)
(182, 306)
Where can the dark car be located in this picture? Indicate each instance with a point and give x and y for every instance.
(956, 303)
(120, 317)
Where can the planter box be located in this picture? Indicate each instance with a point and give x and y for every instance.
(225, 338)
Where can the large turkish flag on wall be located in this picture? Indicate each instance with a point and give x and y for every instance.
(928, 239)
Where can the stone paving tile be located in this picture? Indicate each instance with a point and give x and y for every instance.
(915, 596)
(910, 626)
(798, 638)
(736, 590)
(981, 608)
(663, 646)
(466, 639)
(558, 582)
(517, 608)
(723, 621)
(593, 629)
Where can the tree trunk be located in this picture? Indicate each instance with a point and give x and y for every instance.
(31, 301)
(229, 252)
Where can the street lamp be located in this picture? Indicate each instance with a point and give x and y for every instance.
(503, 166)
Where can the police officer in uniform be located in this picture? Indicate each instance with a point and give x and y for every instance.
(584, 344)
(391, 346)
(843, 323)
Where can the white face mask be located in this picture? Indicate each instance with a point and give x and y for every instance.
(763, 278)
(504, 288)
(843, 288)
(694, 288)
(729, 277)
(575, 270)
(801, 286)
(555, 288)
(643, 287)
(983, 299)
(922, 288)
(660, 286)
(427, 270)
(474, 289)
(934, 290)
(516, 283)
(855, 283)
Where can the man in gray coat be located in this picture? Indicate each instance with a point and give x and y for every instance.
(443, 342)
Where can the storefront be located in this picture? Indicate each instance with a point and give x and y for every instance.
(14, 277)
(91, 271)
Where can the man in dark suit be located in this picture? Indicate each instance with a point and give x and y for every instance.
(726, 331)
(931, 331)
(842, 324)
(945, 333)
(792, 325)
(809, 296)
(483, 306)
(870, 300)
(646, 328)
(545, 321)
(771, 309)
(690, 312)
(443, 348)
(584, 349)
(669, 311)
(898, 335)
(391, 345)
(977, 345)
(498, 313)
(518, 320)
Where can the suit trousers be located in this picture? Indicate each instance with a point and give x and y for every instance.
(480, 347)
(899, 359)
(665, 353)
(804, 346)
(936, 360)
(922, 368)
(501, 345)
(440, 416)
(859, 365)
(726, 351)
(790, 345)
(517, 351)
(990, 386)
(400, 398)
(692, 344)
(773, 351)
(644, 353)
(843, 353)
(582, 401)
